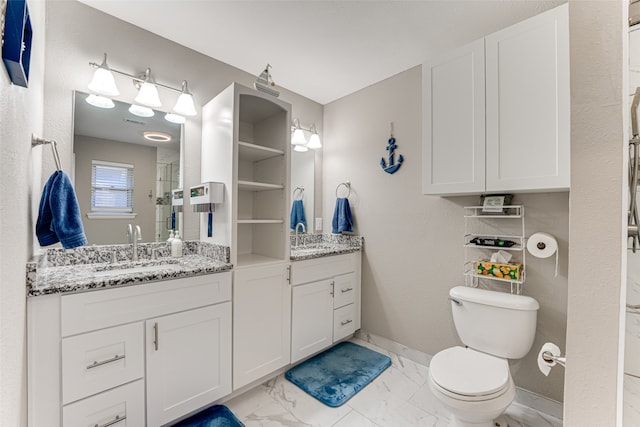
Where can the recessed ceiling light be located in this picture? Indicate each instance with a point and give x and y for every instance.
(157, 136)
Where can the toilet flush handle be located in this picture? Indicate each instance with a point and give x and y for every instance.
(455, 301)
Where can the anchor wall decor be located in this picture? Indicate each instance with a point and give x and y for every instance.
(392, 167)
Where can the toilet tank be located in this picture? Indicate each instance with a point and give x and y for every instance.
(494, 322)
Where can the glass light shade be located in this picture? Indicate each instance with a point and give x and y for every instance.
(103, 81)
(100, 101)
(140, 111)
(184, 105)
(300, 148)
(298, 137)
(314, 141)
(148, 95)
(174, 118)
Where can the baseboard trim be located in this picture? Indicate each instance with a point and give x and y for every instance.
(524, 397)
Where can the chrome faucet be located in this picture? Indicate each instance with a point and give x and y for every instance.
(134, 235)
(304, 230)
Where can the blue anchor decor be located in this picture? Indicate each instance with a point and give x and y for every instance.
(392, 167)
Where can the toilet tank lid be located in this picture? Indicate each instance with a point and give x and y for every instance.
(494, 298)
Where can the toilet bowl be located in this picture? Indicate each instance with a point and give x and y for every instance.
(473, 382)
(474, 387)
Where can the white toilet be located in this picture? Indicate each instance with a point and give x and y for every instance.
(474, 382)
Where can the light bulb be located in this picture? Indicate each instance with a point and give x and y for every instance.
(300, 148)
(174, 118)
(140, 111)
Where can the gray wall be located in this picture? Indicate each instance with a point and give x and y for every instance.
(143, 159)
(132, 50)
(413, 243)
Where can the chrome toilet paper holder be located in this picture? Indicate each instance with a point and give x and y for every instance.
(549, 357)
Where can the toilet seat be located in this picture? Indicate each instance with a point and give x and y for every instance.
(467, 374)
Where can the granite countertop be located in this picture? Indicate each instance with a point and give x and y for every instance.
(91, 267)
(320, 245)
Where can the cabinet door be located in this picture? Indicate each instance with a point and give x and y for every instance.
(453, 134)
(188, 361)
(527, 68)
(261, 322)
(311, 318)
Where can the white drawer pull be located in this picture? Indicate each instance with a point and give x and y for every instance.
(104, 362)
(116, 420)
(346, 322)
(347, 290)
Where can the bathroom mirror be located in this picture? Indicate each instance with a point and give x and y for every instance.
(135, 175)
(302, 184)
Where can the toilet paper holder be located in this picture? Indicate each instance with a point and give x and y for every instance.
(549, 357)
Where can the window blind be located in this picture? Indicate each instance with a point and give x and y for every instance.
(111, 187)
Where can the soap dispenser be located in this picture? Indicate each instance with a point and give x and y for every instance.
(176, 246)
(171, 237)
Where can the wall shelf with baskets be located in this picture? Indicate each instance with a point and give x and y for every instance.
(487, 233)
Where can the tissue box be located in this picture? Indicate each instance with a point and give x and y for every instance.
(499, 271)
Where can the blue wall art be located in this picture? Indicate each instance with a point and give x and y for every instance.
(392, 166)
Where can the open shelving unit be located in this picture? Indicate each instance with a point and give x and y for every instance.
(506, 226)
(250, 154)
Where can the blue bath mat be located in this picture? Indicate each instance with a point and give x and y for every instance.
(335, 375)
(215, 416)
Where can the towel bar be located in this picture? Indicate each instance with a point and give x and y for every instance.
(346, 184)
(35, 141)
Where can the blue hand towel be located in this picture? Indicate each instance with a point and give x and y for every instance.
(297, 214)
(342, 219)
(59, 217)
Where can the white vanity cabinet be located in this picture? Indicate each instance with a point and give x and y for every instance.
(325, 302)
(496, 112)
(261, 322)
(102, 357)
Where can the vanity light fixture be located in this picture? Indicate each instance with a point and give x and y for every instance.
(100, 101)
(298, 136)
(174, 118)
(298, 139)
(184, 105)
(300, 148)
(140, 111)
(314, 139)
(103, 83)
(157, 136)
(148, 92)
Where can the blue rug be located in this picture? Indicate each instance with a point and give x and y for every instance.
(334, 376)
(214, 416)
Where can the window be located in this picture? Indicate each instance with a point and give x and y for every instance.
(111, 187)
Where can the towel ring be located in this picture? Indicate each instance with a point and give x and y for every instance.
(346, 184)
(300, 191)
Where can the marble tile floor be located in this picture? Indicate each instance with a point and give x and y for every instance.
(399, 397)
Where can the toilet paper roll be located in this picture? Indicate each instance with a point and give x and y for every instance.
(543, 365)
(543, 245)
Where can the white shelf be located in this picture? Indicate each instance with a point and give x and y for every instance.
(512, 211)
(250, 260)
(519, 240)
(258, 186)
(260, 221)
(254, 153)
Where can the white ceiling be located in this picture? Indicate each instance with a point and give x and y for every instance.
(323, 49)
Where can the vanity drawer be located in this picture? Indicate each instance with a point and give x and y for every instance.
(99, 309)
(312, 270)
(101, 360)
(344, 289)
(344, 322)
(122, 406)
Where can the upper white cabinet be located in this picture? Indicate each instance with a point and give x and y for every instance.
(246, 146)
(520, 140)
(527, 90)
(453, 122)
